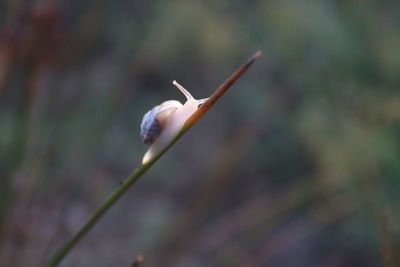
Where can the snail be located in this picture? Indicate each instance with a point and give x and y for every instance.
(163, 122)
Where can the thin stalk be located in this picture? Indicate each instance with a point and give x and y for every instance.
(136, 174)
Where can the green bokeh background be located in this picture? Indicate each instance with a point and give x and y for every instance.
(297, 165)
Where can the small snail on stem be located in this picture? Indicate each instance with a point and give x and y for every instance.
(163, 122)
(178, 122)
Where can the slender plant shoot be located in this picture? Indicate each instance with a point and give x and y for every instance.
(178, 119)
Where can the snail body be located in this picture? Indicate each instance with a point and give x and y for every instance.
(162, 123)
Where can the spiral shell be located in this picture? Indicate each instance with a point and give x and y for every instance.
(155, 120)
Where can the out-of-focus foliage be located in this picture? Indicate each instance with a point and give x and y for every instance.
(298, 165)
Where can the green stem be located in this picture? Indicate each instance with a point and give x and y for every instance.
(56, 259)
(136, 174)
(106, 205)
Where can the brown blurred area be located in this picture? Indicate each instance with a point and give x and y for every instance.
(298, 165)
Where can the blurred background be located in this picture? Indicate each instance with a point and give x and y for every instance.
(297, 165)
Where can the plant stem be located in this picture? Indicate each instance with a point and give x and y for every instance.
(136, 174)
(104, 207)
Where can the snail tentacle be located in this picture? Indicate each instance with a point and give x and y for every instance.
(183, 90)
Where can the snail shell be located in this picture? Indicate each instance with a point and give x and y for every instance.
(161, 124)
(155, 120)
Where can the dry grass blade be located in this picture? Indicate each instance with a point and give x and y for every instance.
(221, 90)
